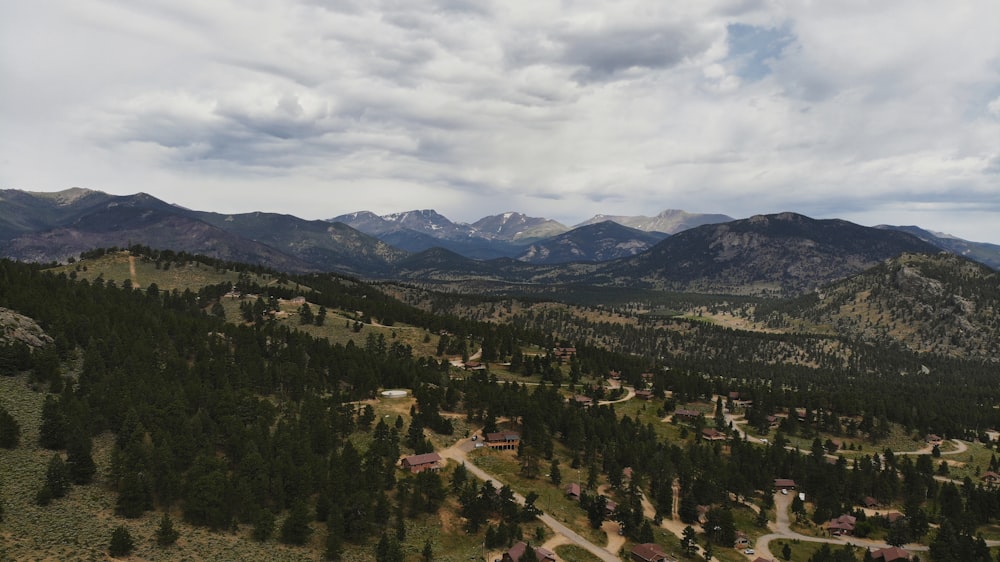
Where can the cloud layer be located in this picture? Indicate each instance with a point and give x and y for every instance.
(875, 112)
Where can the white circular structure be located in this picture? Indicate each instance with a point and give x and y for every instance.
(394, 393)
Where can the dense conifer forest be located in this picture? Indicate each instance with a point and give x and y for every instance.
(245, 421)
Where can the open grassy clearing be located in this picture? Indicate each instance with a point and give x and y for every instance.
(552, 499)
(802, 550)
(116, 267)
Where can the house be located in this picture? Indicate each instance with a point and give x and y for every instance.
(644, 395)
(711, 434)
(842, 526)
(742, 540)
(609, 509)
(784, 484)
(991, 478)
(420, 463)
(517, 551)
(573, 491)
(648, 552)
(563, 352)
(686, 415)
(734, 395)
(627, 474)
(893, 516)
(503, 440)
(869, 502)
(474, 366)
(890, 554)
(933, 439)
(582, 400)
(773, 421)
(615, 375)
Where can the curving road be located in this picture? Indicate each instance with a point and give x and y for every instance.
(457, 452)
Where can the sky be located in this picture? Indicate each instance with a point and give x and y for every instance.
(878, 112)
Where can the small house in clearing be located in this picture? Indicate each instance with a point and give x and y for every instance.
(516, 553)
(712, 434)
(890, 554)
(573, 491)
(686, 415)
(784, 484)
(420, 463)
(842, 526)
(648, 552)
(503, 440)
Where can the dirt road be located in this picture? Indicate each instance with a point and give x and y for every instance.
(457, 452)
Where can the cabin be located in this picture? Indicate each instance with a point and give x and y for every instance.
(842, 526)
(516, 552)
(784, 484)
(648, 552)
(582, 400)
(712, 434)
(890, 554)
(686, 415)
(933, 439)
(646, 395)
(503, 440)
(991, 478)
(573, 491)
(869, 502)
(419, 463)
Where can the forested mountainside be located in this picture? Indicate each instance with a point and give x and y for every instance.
(938, 303)
(234, 420)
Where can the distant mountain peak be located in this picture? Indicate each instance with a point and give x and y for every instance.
(669, 221)
(64, 197)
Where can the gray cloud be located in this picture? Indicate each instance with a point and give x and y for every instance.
(882, 112)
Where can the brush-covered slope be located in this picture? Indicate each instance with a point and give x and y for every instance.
(603, 241)
(782, 254)
(939, 303)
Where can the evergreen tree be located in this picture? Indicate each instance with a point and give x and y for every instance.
(388, 549)
(554, 474)
(296, 529)
(10, 430)
(689, 541)
(52, 433)
(263, 525)
(121, 542)
(166, 535)
(57, 478)
(428, 552)
(78, 458)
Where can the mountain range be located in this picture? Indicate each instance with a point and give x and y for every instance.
(784, 253)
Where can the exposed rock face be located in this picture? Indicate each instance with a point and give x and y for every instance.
(16, 327)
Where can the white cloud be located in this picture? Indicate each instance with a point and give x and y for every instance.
(559, 109)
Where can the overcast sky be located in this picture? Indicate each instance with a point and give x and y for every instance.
(881, 111)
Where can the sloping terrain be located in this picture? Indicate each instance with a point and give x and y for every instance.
(982, 252)
(603, 241)
(938, 303)
(670, 221)
(780, 254)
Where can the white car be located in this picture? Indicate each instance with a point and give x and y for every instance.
(749, 551)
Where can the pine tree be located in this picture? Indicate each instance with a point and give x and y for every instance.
(78, 458)
(57, 477)
(10, 430)
(121, 542)
(52, 434)
(263, 525)
(296, 529)
(166, 535)
(428, 552)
